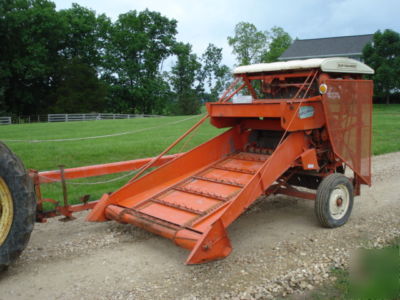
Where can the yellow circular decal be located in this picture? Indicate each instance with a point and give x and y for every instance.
(323, 88)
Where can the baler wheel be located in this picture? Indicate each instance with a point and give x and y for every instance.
(334, 200)
(17, 207)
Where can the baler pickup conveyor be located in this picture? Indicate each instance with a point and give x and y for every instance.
(192, 206)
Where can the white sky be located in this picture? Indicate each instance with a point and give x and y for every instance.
(211, 21)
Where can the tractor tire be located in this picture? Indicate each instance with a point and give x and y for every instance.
(334, 200)
(17, 207)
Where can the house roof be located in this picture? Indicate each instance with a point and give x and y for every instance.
(332, 64)
(327, 47)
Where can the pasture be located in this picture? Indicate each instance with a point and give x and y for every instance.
(120, 140)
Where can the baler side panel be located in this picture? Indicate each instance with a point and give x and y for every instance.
(348, 113)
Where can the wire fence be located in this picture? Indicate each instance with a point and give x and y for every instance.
(102, 136)
(7, 120)
(93, 117)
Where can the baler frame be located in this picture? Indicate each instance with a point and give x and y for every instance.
(62, 175)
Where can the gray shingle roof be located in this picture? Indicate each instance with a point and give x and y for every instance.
(327, 47)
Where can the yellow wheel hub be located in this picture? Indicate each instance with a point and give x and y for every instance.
(6, 211)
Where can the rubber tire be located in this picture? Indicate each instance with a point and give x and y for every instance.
(325, 188)
(24, 206)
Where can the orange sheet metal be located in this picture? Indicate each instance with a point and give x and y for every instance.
(198, 195)
(172, 212)
(283, 157)
(194, 210)
(348, 111)
(194, 198)
(271, 110)
(169, 174)
(184, 238)
(223, 114)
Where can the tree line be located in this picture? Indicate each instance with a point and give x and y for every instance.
(73, 60)
(383, 55)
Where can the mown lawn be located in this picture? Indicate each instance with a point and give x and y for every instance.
(145, 137)
(386, 128)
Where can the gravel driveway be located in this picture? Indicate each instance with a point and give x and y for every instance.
(278, 249)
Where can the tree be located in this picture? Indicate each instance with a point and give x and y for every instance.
(248, 43)
(139, 43)
(184, 80)
(81, 35)
(73, 60)
(383, 55)
(79, 90)
(214, 73)
(38, 49)
(30, 33)
(279, 41)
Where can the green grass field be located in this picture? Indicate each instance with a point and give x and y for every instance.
(386, 128)
(148, 137)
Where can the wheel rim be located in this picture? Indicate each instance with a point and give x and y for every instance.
(339, 201)
(6, 210)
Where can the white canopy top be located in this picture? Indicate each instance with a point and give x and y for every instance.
(334, 65)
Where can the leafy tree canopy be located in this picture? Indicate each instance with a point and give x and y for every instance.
(139, 43)
(383, 55)
(248, 43)
(79, 90)
(74, 60)
(278, 41)
(251, 45)
(184, 79)
(30, 34)
(214, 73)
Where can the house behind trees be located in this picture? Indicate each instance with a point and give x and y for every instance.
(341, 46)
